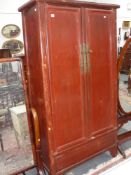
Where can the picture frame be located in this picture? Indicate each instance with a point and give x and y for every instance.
(5, 53)
(126, 24)
(15, 46)
(10, 31)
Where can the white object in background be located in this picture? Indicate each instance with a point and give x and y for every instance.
(129, 6)
(20, 124)
(120, 169)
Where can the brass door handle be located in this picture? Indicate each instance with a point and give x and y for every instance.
(36, 127)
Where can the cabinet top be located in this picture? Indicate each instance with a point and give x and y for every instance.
(71, 3)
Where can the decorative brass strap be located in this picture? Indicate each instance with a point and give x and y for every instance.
(89, 51)
(85, 58)
(81, 59)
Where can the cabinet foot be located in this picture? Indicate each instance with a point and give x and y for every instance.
(113, 151)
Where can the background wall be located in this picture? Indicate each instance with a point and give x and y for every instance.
(10, 15)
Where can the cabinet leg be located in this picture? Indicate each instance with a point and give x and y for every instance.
(121, 152)
(113, 151)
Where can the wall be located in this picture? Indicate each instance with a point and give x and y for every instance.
(10, 6)
(10, 15)
(123, 15)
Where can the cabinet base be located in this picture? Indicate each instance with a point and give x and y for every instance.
(73, 156)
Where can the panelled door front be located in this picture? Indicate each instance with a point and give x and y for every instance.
(101, 72)
(66, 80)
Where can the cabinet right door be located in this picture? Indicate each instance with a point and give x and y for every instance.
(101, 72)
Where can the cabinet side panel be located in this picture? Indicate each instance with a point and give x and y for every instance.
(34, 75)
(102, 74)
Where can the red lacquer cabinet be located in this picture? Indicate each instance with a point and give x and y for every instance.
(70, 49)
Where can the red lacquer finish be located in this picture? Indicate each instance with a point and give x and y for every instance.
(71, 72)
(66, 83)
(102, 74)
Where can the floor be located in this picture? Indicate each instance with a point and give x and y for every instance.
(14, 157)
(120, 168)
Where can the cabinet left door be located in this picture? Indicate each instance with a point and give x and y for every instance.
(65, 76)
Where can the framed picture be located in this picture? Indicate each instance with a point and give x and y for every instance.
(15, 46)
(5, 53)
(10, 31)
(126, 24)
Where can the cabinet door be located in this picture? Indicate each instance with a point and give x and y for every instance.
(66, 81)
(101, 74)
